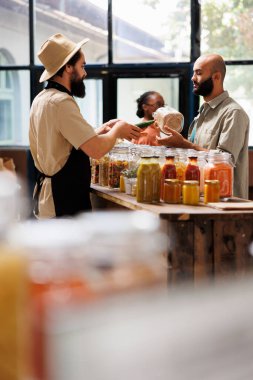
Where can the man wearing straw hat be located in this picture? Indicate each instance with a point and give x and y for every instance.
(61, 140)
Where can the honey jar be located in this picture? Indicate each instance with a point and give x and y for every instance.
(172, 191)
(211, 191)
(190, 192)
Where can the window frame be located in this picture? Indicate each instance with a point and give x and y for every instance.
(110, 72)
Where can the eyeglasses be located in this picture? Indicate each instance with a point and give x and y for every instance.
(157, 104)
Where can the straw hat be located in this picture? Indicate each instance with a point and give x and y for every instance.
(56, 52)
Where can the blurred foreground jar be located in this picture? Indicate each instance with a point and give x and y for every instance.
(220, 167)
(56, 277)
(211, 190)
(130, 252)
(14, 316)
(172, 191)
(148, 180)
(190, 193)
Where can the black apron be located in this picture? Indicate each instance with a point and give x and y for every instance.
(71, 184)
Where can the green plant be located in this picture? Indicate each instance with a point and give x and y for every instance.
(129, 173)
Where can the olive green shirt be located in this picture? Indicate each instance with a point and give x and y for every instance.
(224, 125)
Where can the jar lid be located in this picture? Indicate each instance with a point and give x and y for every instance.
(212, 181)
(171, 180)
(188, 182)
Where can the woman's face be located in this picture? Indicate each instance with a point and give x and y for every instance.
(154, 102)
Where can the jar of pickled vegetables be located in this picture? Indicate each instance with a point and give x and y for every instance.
(118, 161)
(172, 191)
(103, 170)
(220, 167)
(211, 190)
(148, 180)
(190, 192)
(168, 172)
(94, 171)
(192, 172)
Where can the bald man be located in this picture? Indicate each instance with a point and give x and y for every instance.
(221, 124)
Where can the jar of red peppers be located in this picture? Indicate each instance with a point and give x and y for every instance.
(118, 161)
(192, 172)
(220, 167)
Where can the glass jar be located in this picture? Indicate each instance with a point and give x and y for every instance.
(172, 191)
(201, 164)
(190, 192)
(118, 161)
(94, 170)
(220, 167)
(211, 190)
(180, 164)
(168, 172)
(103, 170)
(148, 180)
(192, 172)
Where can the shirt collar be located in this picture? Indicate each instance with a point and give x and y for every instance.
(219, 99)
(58, 86)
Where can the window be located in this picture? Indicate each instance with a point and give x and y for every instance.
(130, 89)
(151, 31)
(227, 28)
(150, 42)
(77, 20)
(91, 105)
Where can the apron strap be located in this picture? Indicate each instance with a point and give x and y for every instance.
(39, 182)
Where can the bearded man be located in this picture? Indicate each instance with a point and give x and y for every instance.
(221, 124)
(61, 140)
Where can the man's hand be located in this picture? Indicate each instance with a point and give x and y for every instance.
(106, 127)
(174, 139)
(127, 131)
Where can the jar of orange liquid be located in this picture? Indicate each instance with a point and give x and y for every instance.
(220, 167)
(211, 190)
(172, 191)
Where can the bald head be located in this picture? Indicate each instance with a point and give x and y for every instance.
(214, 63)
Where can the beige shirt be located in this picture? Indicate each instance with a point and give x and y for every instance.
(56, 126)
(224, 125)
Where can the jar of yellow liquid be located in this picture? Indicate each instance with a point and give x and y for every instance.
(190, 192)
(122, 184)
(148, 180)
(211, 191)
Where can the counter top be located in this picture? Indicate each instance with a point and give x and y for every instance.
(170, 211)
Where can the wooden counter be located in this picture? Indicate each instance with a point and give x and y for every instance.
(205, 243)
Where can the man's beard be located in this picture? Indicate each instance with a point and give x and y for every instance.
(205, 88)
(77, 87)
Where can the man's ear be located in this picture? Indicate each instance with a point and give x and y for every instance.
(69, 68)
(217, 76)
